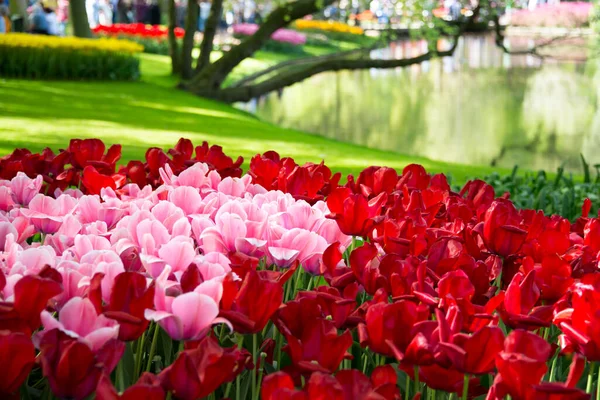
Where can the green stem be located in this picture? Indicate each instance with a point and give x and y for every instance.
(152, 348)
(120, 377)
(407, 386)
(228, 389)
(553, 369)
(260, 375)
(254, 359)
(417, 383)
(138, 357)
(310, 283)
(364, 369)
(598, 385)
(465, 391)
(590, 378)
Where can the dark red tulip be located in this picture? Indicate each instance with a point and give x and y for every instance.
(147, 388)
(318, 347)
(198, 372)
(280, 386)
(353, 212)
(474, 354)
(501, 231)
(248, 312)
(129, 298)
(70, 365)
(24, 314)
(218, 161)
(18, 355)
(387, 327)
(522, 363)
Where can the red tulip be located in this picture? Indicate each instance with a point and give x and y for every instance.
(70, 366)
(217, 160)
(501, 231)
(387, 327)
(373, 181)
(318, 347)
(354, 213)
(280, 386)
(147, 387)
(521, 296)
(198, 372)
(129, 298)
(522, 364)
(18, 355)
(248, 312)
(474, 354)
(24, 314)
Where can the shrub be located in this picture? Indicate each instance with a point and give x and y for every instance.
(48, 57)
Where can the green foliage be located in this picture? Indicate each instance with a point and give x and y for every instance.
(562, 194)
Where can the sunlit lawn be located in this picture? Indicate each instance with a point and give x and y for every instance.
(151, 112)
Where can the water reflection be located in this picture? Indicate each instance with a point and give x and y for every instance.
(480, 106)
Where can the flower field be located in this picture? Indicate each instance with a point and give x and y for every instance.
(180, 276)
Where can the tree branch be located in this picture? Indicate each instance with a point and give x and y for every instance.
(210, 29)
(532, 51)
(296, 62)
(246, 93)
(213, 76)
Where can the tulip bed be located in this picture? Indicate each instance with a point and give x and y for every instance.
(154, 38)
(180, 277)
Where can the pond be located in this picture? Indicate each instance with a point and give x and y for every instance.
(480, 107)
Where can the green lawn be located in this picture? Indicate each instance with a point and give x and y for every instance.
(37, 114)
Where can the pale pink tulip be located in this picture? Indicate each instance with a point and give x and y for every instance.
(78, 319)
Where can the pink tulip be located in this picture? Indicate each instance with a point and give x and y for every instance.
(23, 188)
(190, 315)
(47, 214)
(78, 319)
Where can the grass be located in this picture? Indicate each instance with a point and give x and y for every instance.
(39, 114)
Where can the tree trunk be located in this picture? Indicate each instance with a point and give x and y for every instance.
(173, 46)
(19, 7)
(210, 29)
(79, 19)
(211, 77)
(191, 25)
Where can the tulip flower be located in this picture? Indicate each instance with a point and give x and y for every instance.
(353, 212)
(70, 366)
(129, 299)
(197, 373)
(501, 231)
(78, 318)
(474, 354)
(18, 355)
(147, 387)
(247, 312)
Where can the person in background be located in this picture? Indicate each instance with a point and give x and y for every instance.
(51, 18)
(62, 13)
(203, 15)
(38, 20)
(2, 20)
(154, 13)
(123, 12)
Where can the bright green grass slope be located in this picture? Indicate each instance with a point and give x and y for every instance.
(37, 114)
